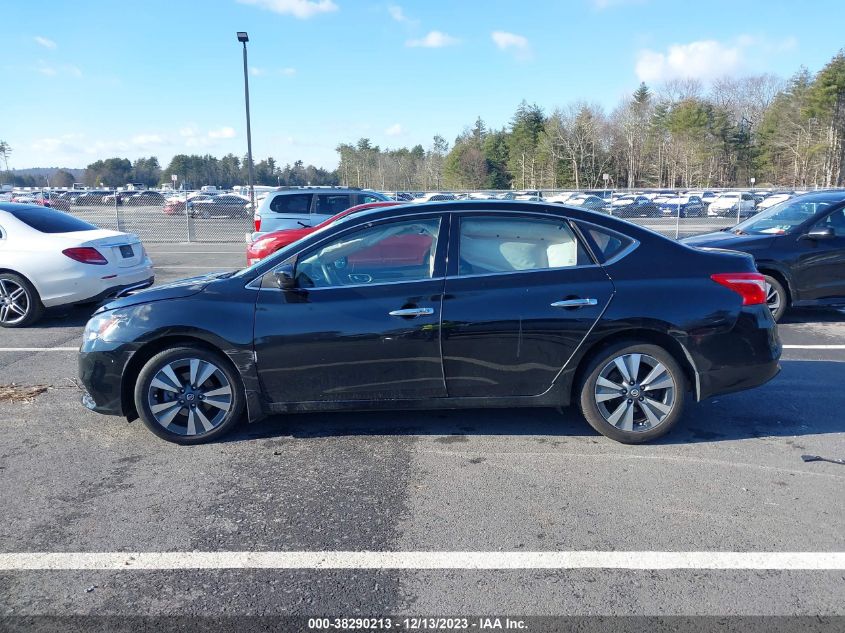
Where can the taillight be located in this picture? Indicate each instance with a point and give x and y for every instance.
(86, 255)
(257, 220)
(750, 286)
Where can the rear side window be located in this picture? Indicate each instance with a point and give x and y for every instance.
(332, 204)
(606, 244)
(48, 221)
(299, 203)
(366, 198)
(509, 244)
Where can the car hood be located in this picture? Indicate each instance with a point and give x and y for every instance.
(173, 290)
(732, 241)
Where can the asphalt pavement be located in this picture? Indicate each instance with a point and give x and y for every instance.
(730, 478)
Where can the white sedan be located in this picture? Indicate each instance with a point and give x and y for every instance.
(49, 258)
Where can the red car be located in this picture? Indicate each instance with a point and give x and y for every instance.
(271, 242)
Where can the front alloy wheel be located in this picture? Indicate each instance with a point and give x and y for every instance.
(633, 392)
(188, 395)
(775, 297)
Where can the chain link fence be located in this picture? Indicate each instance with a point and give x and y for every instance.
(199, 216)
(163, 217)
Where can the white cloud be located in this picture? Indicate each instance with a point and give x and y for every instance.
(45, 42)
(394, 130)
(255, 71)
(517, 44)
(435, 39)
(398, 14)
(148, 140)
(188, 131)
(704, 59)
(302, 9)
(49, 70)
(67, 143)
(223, 132)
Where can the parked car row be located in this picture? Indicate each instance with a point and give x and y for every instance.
(643, 204)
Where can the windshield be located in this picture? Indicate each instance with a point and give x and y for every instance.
(783, 218)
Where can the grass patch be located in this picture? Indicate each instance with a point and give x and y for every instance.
(19, 393)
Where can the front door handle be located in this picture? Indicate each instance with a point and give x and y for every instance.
(412, 312)
(574, 303)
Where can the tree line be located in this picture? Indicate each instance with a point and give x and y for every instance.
(679, 134)
(194, 171)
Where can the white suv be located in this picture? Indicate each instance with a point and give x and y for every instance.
(298, 207)
(728, 203)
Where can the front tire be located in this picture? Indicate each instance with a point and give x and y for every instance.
(189, 395)
(776, 297)
(633, 392)
(20, 304)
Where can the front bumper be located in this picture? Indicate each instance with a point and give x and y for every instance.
(101, 369)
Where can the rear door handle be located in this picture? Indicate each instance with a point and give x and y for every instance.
(574, 303)
(412, 312)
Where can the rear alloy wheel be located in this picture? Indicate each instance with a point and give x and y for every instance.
(189, 395)
(633, 392)
(20, 304)
(775, 297)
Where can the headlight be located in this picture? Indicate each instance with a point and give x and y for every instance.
(104, 327)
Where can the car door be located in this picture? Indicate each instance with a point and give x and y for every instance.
(819, 269)
(521, 295)
(359, 322)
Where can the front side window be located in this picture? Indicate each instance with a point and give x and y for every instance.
(390, 252)
(507, 244)
(835, 221)
(332, 204)
(298, 203)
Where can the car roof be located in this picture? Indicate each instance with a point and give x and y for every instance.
(830, 195)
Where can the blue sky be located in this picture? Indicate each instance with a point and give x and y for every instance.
(94, 78)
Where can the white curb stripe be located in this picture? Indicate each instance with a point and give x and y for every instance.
(115, 561)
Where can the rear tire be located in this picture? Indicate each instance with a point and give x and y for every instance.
(20, 304)
(189, 395)
(638, 412)
(776, 297)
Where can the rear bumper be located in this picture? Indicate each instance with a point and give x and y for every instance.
(743, 358)
(112, 292)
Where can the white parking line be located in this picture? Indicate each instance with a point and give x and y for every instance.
(814, 347)
(39, 349)
(421, 560)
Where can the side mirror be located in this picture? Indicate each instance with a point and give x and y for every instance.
(284, 277)
(820, 233)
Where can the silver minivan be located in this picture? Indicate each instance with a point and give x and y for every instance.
(298, 207)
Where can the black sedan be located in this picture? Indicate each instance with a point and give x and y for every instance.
(448, 305)
(799, 245)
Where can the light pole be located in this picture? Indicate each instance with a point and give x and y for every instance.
(244, 38)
